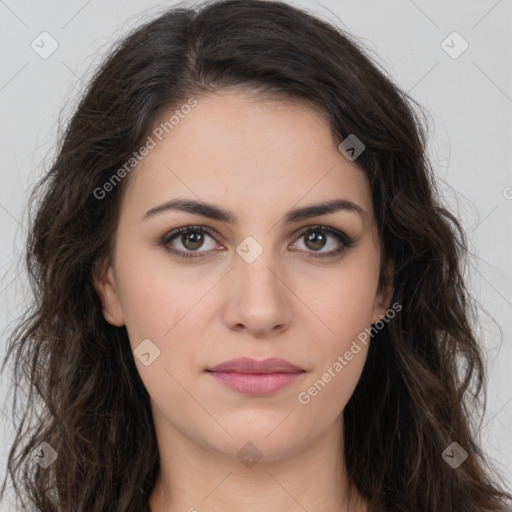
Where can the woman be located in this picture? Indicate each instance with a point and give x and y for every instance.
(248, 296)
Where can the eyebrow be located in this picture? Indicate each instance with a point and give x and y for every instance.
(217, 213)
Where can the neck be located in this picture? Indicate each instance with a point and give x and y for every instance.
(194, 478)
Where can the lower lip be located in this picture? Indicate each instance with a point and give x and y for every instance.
(255, 383)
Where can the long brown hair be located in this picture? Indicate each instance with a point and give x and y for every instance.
(424, 374)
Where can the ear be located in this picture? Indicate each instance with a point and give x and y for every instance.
(106, 287)
(384, 294)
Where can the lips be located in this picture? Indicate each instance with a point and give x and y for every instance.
(248, 365)
(257, 378)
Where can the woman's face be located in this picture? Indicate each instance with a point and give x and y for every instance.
(262, 284)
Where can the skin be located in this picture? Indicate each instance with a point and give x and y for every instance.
(258, 159)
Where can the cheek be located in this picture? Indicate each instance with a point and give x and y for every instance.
(166, 309)
(326, 394)
(346, 308)
(153, 301)
(348, 305)
(164, 313)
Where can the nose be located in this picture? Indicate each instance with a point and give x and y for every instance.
(258, 299)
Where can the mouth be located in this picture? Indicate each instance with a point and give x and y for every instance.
(256, 378)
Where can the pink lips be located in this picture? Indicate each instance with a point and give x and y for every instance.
(254, 377)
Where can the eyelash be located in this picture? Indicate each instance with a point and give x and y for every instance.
(345, 240)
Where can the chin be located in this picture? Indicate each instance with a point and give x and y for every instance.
(255, 442)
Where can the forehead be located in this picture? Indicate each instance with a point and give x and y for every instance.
(248, 152)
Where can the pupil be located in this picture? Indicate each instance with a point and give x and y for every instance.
(317, 240)
(195, 238)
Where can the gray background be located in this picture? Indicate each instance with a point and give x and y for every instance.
(469, 98)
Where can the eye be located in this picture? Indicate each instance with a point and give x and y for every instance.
(316, 238)
(191, 239)
(185, 241)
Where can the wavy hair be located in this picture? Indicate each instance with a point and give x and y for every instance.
(424, 377)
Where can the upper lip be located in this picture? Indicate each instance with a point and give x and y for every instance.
(248, 365)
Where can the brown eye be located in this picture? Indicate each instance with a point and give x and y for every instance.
(317, 238)
(199, 241)
(192, 240)
(189, 239)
